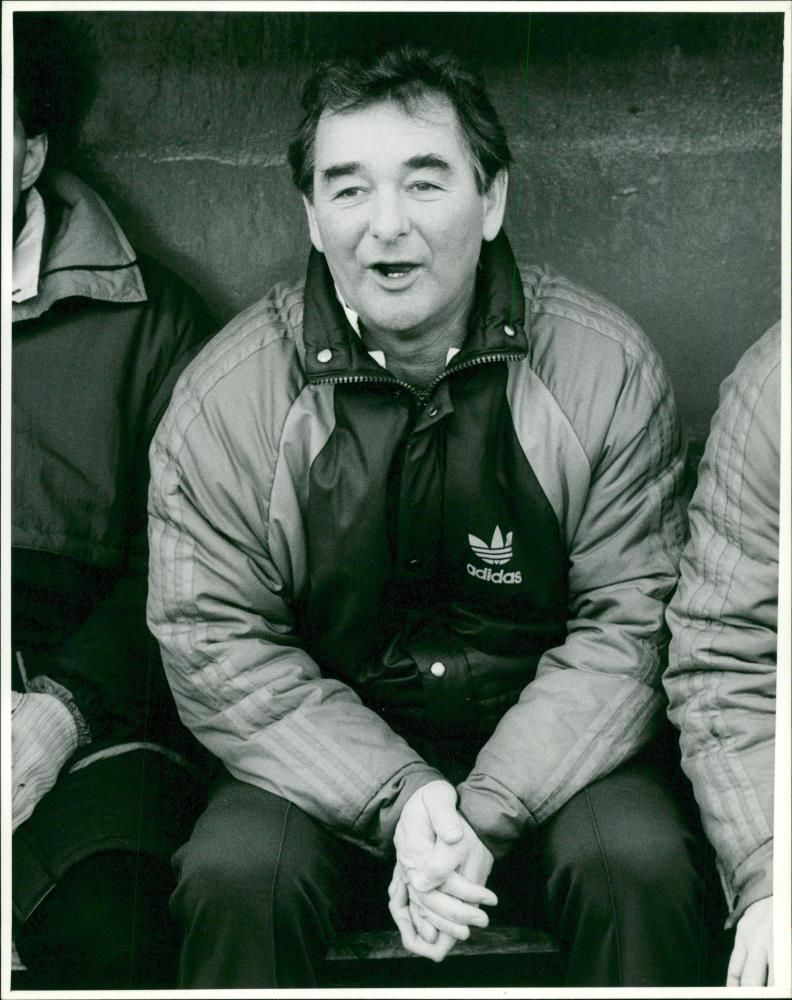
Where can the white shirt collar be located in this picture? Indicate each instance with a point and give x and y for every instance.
(378, 356)
(26, 258)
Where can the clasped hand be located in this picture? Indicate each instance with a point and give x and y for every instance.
(438, 884)
(751, 962)
(43, 737)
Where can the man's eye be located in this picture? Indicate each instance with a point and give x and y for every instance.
(423, 186)
(346, 193)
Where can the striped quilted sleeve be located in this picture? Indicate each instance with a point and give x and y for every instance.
(599, 425)
(222, 585)
(723, 618)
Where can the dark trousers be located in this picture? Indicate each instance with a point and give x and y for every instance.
(105, 925)
(92, 875)
(618, 873)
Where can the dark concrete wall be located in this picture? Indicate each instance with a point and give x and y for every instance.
(647, 153)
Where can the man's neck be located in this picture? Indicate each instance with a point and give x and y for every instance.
(418, 357)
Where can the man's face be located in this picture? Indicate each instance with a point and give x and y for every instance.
(397, 214)
(29, 157)
(20, 152)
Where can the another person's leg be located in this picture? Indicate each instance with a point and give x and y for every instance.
(105, 925)
(261, 891)
(624, 863)
(92, 875)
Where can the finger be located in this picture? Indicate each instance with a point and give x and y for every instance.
(456, 929)
(419, 880)
(441, 809)
(469, 892)
(477, 865)
(397, 890)
(754, 971)
(400, 910)
(460, 932)
(452, 909)
(442, 946)
(436, 952)
(404, 925)
(736, 964)
(436, 867)
(424, 928)
(412, 942)
(440, 862)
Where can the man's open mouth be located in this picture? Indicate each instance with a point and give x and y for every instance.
(396, 269)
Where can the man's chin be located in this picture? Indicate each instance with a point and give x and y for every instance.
(402, 325)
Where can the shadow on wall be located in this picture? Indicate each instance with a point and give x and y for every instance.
(647, 154)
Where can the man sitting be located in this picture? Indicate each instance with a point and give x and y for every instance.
(413, 521)
(103, 790)
(722, 666)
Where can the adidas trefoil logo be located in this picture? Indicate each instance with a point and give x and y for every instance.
(497, 553)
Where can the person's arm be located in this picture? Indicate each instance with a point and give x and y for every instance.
(224, 590)
(597, 698)
(722, 663)
(108, 671)
(43, 737)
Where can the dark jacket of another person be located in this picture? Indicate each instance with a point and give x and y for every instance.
(95, 356)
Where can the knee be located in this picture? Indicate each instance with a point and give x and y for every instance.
(653, 863)
(211, 877)
(254, 883)
(105, 925)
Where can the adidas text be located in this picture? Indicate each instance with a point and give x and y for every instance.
(495, 576)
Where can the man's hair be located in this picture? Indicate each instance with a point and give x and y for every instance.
(53, 78)
(406, 76)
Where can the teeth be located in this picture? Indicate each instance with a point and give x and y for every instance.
(394, 270)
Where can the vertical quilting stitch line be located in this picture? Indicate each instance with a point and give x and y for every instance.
(609, 880)
(273, 890)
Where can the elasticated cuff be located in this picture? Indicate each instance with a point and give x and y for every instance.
(42, 684)
(496, 815)
(753, 880)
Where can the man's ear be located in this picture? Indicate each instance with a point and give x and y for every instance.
(310, 211)
(35, 157)
(495, 204)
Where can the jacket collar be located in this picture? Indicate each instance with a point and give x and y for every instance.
(87, 254)
(497, 324)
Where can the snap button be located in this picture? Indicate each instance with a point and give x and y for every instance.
(432, 411)
(509, 331)
(437, 669)
(324, 356)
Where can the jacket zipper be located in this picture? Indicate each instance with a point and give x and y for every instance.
(420, 395)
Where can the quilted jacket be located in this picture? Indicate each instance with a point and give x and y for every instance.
(95, 356)
(723, 618)
(357, 585)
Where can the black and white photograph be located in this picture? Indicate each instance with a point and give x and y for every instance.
(395, 508)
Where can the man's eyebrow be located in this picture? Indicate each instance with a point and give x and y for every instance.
(420, 162)
(424, 160)
(340, 170)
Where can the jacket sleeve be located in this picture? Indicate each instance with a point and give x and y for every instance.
(110, 666)
(723, 618)
(597, 698)
(224, 610)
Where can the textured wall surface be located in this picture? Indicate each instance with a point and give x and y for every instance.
(647, 155)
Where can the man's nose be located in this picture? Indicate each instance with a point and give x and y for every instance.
(389, 217)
